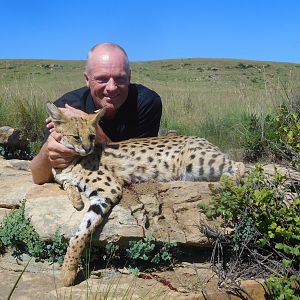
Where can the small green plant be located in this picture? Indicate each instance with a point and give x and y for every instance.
(17, 232)
(146, 251)
(110, 251)
(286, 287)
(56, 250)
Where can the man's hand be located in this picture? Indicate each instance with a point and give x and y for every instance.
(59, 155)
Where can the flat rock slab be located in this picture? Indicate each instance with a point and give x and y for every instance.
(49, 209)
(168, 210)
(15, 182)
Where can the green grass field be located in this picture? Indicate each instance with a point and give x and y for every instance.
(207, 97)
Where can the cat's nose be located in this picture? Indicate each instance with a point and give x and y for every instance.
(87, 148)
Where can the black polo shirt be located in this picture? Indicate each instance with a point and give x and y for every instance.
(139, 116)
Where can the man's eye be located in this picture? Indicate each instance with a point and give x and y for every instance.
(101, 80)
(120, 80)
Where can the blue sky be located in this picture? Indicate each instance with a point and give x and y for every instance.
(150, 30)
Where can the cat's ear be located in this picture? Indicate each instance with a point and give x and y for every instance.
(95, 117)
(56, 115)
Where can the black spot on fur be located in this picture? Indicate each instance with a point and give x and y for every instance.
(221, 167)
(113, 146)
(88, 224)
(107, 183)
(143, 150)
(113, 191)
(109, 201)
(104, 205)
(100, 173)
(93, 194)
(189, 168)
(96, 209)
(192, 156)
(201, 171)
(211, 162)
(166, 165)
(150, 159)
(108, 178)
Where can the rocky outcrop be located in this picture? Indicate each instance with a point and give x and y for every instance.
(12, 138)
(168, 210)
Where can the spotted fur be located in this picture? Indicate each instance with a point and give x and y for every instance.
(101, 171)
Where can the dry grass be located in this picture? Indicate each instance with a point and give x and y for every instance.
(210, 98)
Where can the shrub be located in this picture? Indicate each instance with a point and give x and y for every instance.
(276, 136)
(267, 226)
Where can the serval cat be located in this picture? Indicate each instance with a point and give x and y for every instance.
(101, 171)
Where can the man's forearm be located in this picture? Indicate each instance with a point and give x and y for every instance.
(41, 169)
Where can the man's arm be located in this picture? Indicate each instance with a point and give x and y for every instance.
(52, 155)
(55, 155)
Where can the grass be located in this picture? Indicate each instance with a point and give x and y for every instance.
(205, 97)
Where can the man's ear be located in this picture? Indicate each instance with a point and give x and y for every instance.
(94, 118)
(86, 78)
(56, 115)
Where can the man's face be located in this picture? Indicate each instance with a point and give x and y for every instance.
(108, 77)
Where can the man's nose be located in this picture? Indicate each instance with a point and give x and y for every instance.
(111, 84)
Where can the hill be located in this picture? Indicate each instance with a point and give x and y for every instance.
(206, 97)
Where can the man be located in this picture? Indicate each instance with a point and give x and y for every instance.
(133, 110)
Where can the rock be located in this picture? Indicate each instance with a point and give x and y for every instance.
(13, 138)
(15, 181)
(49, 208)
(167, 210)
(3, 213)
(191, 281)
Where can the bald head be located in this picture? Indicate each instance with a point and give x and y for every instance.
(104, 52)
(107, 75)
